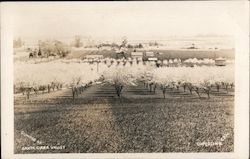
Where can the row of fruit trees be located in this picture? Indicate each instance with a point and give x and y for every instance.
(194, 79)
(45, 77)
(113, 61)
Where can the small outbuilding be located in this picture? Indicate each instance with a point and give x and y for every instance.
(220, 61)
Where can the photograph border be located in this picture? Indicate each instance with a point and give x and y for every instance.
(241, 116)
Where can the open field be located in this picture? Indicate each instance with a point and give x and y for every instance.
(165, 54)
(139, 121)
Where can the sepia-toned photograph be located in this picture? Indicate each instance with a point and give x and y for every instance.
(125, 77)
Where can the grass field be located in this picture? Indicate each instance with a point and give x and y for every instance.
(141, 121)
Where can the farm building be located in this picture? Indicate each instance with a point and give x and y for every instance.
(94, 57)
(137, 55)
(220, 62)
(149, 54)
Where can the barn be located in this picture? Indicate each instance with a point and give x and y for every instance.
(137, 55)
(220, 61)
(149, 56)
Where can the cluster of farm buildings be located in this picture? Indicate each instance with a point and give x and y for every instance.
(147, 56)
(136, 55)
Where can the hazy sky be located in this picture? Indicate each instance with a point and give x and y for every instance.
(131, 19)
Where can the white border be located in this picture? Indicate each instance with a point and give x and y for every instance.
(241, 148)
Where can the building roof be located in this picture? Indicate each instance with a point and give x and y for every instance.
(94, 56)
(152, 59)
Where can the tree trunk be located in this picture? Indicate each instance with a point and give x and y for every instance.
(208, 93)
(48, 88)
(164, 92)
(73, 93)
(150, 85)
(218, 87)
(227, 88)
(190, 90)
(36, 91)
(118, 89)
(28, 94)
(154, 88)
(197, 91)
(76, 91)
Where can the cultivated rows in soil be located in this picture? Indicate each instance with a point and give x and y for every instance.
(109, 124)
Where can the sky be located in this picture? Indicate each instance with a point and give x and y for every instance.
(130, 19)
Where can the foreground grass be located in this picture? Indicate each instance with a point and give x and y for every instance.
(114, 125)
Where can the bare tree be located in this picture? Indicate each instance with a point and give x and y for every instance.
(53, 48)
